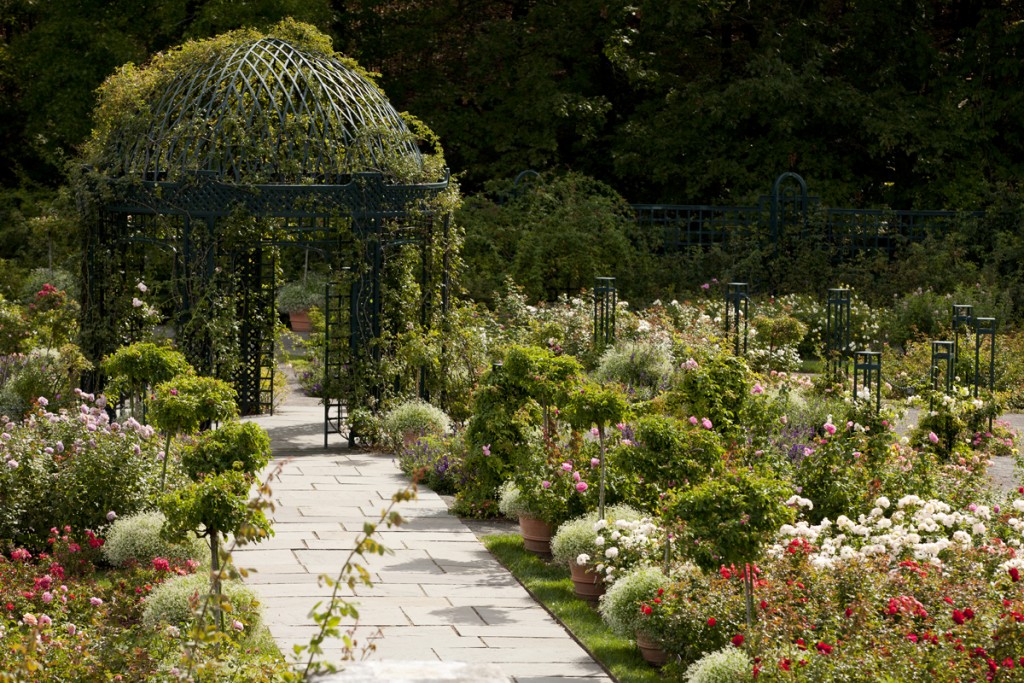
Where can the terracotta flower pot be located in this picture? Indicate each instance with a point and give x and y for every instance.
(651, 651)
(588, 585)
(536, 535)
(300, 322)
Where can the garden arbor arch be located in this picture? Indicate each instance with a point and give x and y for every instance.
(231, 150)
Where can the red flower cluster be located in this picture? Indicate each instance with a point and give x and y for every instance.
(960, 617)
(906, 605)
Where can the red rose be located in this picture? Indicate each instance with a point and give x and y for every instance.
(1015, 574)
(711, 621)
(823, 648)
(737, 639)
(958, 616)
(646, 609)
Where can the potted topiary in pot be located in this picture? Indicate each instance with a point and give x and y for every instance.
(296, 298)
(410, 420)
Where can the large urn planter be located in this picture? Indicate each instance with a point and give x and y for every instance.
(588, 585)
(536, 535)
(651, 651)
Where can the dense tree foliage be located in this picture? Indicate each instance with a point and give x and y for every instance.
(910, 103)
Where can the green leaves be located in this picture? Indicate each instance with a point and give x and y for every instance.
(133, 368)
(726, 520)
(238, 446)
(184, 404)
(594, 404)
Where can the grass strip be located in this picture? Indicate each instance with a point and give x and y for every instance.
(552, 587)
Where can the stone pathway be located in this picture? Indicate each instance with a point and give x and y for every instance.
(440, 597)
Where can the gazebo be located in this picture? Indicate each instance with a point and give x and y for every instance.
(231, 153)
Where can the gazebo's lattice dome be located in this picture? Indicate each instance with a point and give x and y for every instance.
(270, 111)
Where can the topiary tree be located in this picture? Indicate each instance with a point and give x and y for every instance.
(188, 403)
(666, 454)
(728, 519)
(594, 404)
(222, 466)
(513, 398)
(132, 370)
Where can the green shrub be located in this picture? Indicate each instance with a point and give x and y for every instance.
(136, 539)
(716, 388)
(302, 295)
(643, 367)
(440, 460)
(133, 369)
(413, 418)
(51, 373)
(774, 342)
(728, 665)
(729, 518)
(14, 329)
(73, 469)
(175, 602)
(620, 605)
(666, 453)
(508, 408)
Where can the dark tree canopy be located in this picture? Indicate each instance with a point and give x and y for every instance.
(908, 103)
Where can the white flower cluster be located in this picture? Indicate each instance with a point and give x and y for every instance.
(917, 528)
(627, 544)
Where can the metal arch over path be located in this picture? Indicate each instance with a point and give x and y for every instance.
(186, 185)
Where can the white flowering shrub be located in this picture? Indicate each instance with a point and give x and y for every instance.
(136, 539)
(175, 602)
(728, 665)
(620, 605)
(626, 544)
(867, 325)
(912, 528)
(583, 541)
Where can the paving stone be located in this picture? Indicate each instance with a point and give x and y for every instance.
(440, 597)
(417, 672)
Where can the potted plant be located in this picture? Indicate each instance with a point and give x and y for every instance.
(546, 490)
(535, 531)
(583, 543)
(622, 609)
(409, 421)
(296, 298)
